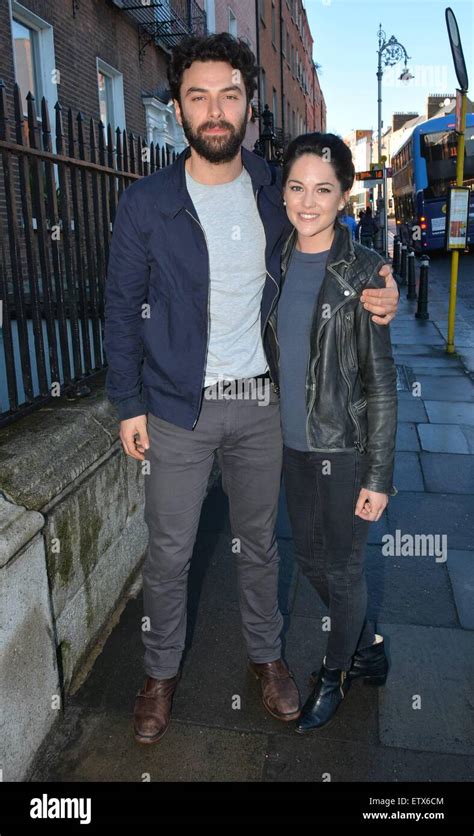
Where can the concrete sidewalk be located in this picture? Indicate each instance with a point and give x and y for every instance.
(419, 727)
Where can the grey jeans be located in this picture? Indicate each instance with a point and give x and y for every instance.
(247, 435)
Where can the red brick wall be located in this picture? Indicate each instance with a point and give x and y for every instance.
(99, 29)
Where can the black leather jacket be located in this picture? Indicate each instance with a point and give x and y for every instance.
(351, 392)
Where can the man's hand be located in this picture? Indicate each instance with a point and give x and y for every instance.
(131, 428)
(370, 505)
(382, 301)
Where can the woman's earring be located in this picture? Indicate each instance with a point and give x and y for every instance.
(284, 203)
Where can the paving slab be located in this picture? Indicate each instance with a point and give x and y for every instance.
(315, 759)
(444, 514)
(460, 566)
(409, 589)
(443, 438)
(104, 750)
(440, 412)
(407, 474)
(407, 436)
(443, 388)
(468, 433)
(426, 703)
(411, 408)
(448, 473)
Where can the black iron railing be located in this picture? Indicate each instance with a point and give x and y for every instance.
(56, 216)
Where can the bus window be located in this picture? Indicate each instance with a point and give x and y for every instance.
(440, 152)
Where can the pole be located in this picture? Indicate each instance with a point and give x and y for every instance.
(385, 211)
(379, 124)
(455, 253)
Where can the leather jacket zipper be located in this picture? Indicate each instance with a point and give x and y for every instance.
(347, 328)
(208, 317)
(358, 444)
(312, 365)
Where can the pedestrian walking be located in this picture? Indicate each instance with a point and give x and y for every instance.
(368, 228)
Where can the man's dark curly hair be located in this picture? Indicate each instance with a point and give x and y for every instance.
(218, 47)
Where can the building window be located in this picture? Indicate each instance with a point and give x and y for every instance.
(110, 90)
(261, 10)
(273, 25)
(33, 57)
(210, 9)
(283, 38)
(25, 45)
(232, 23)
(275, 108)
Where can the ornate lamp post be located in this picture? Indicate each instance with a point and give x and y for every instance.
(389, 53)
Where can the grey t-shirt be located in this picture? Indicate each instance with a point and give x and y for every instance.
(236, 242)
(296, 307)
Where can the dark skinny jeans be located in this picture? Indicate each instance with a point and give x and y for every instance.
(330, 542)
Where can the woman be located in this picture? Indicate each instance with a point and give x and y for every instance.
(338, 410)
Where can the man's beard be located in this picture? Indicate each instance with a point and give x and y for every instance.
(222, 148)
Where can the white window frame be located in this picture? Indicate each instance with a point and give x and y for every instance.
(46, 59)
(117, 92)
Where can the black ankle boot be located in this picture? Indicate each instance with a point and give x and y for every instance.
(329, 691)
(369, 663)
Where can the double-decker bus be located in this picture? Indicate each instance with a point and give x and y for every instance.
(424, 167)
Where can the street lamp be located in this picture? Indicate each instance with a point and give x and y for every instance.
(389, 53)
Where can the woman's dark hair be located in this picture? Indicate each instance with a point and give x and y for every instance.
(327, 146)
(368, 212)
(218, 47)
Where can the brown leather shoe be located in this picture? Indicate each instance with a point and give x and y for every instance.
(152, 712)
(280, 694)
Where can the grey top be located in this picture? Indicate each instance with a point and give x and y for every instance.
(297, 304)
(236, 243)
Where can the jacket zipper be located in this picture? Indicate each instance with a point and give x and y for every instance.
(358, 444)
(347, 329)
(208, 314)
(313, 364)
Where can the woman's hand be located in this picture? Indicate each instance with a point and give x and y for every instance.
(382, 301)
(371, 505)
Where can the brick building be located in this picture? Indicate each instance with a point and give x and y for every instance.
(100, 58)
(239, 18)
(109, 61)
(289, 81)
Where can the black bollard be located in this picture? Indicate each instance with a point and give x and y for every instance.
(396, 255)
(422, 309)
(404, 265)
(411, 293)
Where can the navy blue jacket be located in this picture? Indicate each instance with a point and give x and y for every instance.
(159, 257)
